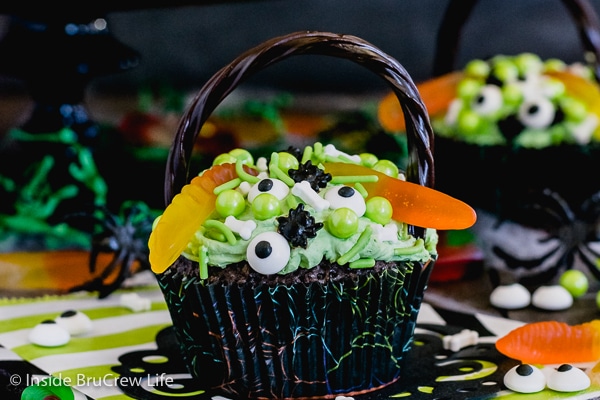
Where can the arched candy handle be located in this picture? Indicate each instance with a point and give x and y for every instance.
(420, 168)
(457, 14)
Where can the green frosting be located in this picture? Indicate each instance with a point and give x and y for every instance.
(212, 247)
(324, 245)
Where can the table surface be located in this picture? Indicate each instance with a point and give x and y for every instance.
(447, 303)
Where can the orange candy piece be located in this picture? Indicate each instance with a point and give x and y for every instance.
(412, 203)
(552, 342)
(436, 93)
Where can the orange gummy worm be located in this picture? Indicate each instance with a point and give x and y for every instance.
(412, 203)
(436, 93)
(552, 342)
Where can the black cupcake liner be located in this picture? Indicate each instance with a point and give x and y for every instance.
(314, 340)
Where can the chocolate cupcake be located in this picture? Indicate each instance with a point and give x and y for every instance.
(515, 137)
(299, 274)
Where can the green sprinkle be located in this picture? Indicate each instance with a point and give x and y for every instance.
(239, 168)
(232, 184)
(203, 262)
(417, 247)
(339, 158)
(292, 202)
(362, 263)
(318, 152)
(222, 228)
(307, 155)
(341, 179)
(361, 189)
(277, 173)
(360, 244)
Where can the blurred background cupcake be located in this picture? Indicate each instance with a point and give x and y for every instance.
(517, 137)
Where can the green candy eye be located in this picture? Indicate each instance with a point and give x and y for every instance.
(477, 69)
(224, 158)
(387, 167)
(468, 122)
(368, 159)
(244, 155)
(505, 70)
(379, 209)
(230, 202)
(265, 206)
(468, 88)
(342, 223)
(287, 161)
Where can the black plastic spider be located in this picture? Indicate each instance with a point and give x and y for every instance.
(298, 226)
(574, 234)
(314, 175)
(126, 236)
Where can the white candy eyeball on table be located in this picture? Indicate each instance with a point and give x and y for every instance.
(75, 322)
(567, 378)
(525, 378)
(49, 334)
(510, 297)
(268, 253)
(552, 298)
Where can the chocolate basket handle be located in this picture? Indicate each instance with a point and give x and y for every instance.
(420, 168)
(458, 11)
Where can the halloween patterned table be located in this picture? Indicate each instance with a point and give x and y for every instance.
(131, 354)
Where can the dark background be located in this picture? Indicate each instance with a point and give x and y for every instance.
(183, 45)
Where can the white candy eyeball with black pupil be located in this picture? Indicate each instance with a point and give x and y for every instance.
(75, 322)
(272, 186)
(346, 196)
(567, 378)
(537, 114)
(488, 101)
(525, 378)
(268, 253)
(49, 334)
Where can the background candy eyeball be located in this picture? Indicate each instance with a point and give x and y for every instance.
(272, 186)
(268, 253)
(348, 197)
(567, 378)
(525, 378)
(552, 298)
(75, 322)
(49, 334)
(510, 297)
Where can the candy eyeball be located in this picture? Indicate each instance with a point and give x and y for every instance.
(272, 186)
(268, 253)
(567, 378)
(488, 101)
(552, 298)
(75, 322)
(510, 297)
(348, 197)
(49, 334)
(537, 114)
(342, 223)
(525, 378)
